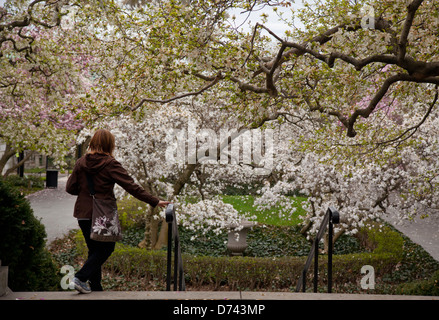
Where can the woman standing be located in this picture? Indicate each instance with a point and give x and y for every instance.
(106, 171)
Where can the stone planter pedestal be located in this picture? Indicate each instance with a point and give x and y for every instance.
(237, 240)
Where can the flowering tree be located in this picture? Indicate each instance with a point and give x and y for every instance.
(175, 153)
(338, 65)
(400, 178)
(352, 96)
(41, 83)
(374, 74)
(354, 92)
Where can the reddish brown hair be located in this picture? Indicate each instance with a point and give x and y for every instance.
(102, 142)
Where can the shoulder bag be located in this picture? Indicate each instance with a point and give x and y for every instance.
(105, 225)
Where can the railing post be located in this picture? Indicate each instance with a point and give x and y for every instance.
(334, 217)
(178, 261)
(331, 217)
(169, 219)
(304, 280)
(330, 247)
(176, 265)
(316, 263)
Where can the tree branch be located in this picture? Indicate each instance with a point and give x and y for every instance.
(209, 85)
(365, 112)
(402, 43)
(27, 20)
(20, 163)
(414, 128)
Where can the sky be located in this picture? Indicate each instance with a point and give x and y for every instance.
(273, 23)
(247, 22)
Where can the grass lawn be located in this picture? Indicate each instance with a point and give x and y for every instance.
(274, 217)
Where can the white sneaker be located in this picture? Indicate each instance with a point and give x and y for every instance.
(81, 286)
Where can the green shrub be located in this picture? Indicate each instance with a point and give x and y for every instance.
(416, 264)
(256, 273)
(209, 244)
(132, 213)
(280, 241)
(428, 287)
(26, 184)
(233, 272)
(22, 244)
(65, 250)
(385, 241)
(394, 257)
(276, 241)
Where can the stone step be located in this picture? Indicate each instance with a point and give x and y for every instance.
(202, 295)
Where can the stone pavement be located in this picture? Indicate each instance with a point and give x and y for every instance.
(424, 232)
(55, 208)
(217, 305)
(203, 295)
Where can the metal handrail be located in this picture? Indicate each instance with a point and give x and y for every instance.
(331, 217)
(173, 236)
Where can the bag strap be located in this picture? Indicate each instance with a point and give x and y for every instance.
(90, 185)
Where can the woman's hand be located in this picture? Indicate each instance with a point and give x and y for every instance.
(163, 204)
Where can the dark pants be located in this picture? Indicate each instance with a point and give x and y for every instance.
(98, 253)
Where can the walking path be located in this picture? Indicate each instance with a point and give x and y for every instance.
(55, 208)
(424, 232)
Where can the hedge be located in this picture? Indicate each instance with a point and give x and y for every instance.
(22, 244)
(215, 272)
(428, 287)
(257, 273)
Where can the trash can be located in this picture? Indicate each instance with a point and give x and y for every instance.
(51, 178)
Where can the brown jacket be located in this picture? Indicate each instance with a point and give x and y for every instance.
(106, 171)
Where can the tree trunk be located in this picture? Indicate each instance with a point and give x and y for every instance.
(178, 186)
(184, 177)
(307, 225)
(152, 238)
(14, 167)
(151, 230)
(9, 152)
(334, 239)
(163, 236)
